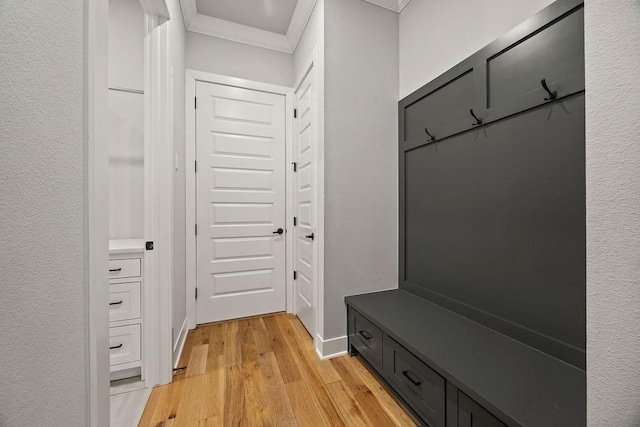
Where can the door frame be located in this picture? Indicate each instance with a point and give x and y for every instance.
(191, 77)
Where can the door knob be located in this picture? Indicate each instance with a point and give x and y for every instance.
(310, 236)
(278, 231)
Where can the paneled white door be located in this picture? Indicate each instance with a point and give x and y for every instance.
(305, 189)
(240, 144)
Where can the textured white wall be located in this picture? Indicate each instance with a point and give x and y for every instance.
(44, 335)
(436, 35)
(613, 212)
(361, 133)
(219, 56)
(178, 300)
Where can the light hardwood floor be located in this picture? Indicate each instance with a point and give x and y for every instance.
(265, 371)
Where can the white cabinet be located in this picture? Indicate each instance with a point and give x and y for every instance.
(126, 284)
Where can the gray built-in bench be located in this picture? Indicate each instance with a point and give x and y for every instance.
(488, 326)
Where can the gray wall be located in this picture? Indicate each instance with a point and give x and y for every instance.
(361, 185)
(219, 56)
(436, 35)
(44, 335)
(312, 36)
(178, 298)
(613, 212)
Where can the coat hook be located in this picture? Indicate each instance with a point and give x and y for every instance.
(478, 121)
(552, 95)
(433, 138)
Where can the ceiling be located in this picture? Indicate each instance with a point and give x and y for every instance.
(270, 24)
(268, 15)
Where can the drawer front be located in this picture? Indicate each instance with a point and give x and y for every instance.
(124, 344)
(121, 268)
(124, 301)
(471, 414)
(366, 338)
(416, 382)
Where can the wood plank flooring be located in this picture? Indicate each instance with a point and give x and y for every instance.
(264, 371)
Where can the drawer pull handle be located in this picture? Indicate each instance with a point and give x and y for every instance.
(115, 346)
(410, 378)
(115, 303)
(366, 335)
(114, 270)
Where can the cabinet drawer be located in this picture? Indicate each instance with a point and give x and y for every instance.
(124, 301)
(366, 338)
(471, 414)
(124, 344)
(121, 268)
(416, 382)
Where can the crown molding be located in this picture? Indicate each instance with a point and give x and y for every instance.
(392, 5)
(215, 27)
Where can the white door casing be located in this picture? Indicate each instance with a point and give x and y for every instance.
(305, 199)
(240, 144)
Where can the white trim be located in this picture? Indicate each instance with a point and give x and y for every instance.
(331, 348)
(191, 77)
(97, 212)
(158, 193)
(179, 346)
(216, 27)
(402, 4)
(228, 30)
(155, 8)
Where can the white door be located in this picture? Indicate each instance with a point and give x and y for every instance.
(305, 188)
(240, 143)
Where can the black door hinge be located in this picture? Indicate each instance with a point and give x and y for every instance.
(295, 113)
(149, 246)
(295, 221)
(195, 166)
(196, 293)
(295, 166)
(295, 275)
(195, 102)
(196, 229)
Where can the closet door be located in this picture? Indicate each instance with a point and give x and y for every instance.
(240, 136)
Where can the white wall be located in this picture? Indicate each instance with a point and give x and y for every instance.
(178, 300)
(219, 56)
(43, 254)
(126, 44)
(126, 120)
(436, 35)
(613, 212)
(361, 185)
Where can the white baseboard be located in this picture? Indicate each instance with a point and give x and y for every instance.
(334, 347)
(179, 344)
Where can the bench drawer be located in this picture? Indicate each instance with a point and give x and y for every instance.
(366, 338)
(417, 383)
(124, 344)
(121, 268)
(124, 301)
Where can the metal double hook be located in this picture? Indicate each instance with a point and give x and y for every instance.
(552, 95)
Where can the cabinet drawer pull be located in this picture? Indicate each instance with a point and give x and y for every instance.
(114, 270)
(115, 303)
(410, 378)
(366, 335)
(115, 346)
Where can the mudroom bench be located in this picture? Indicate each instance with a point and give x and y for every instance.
(450, 371)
